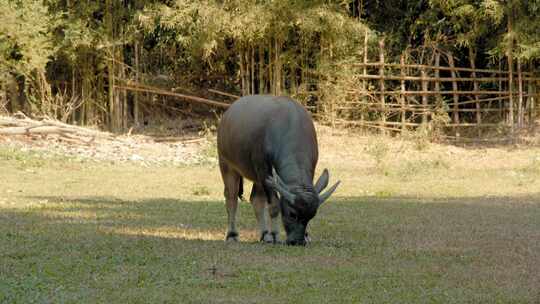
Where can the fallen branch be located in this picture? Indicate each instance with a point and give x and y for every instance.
(34, 130)
(20, 124)
(223, 93)
(188, 98)
(179, 139)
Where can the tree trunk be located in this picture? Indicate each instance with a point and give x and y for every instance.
(402, 96)
(271, 89)
(252, 70)
(113, 123)
(455, 113)
(136, 94)
(510, 55)
(520, 96)
(472, 58)
(365, 100)
(13, 94)
(261, 69)
(382, 86)
(278, 67)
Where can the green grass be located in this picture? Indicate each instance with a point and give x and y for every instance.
(423, 230)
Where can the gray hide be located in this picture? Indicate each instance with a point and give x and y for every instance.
(272, 142)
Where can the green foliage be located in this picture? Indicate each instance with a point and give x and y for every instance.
(293, 35)
(278, 47)
(25, 36)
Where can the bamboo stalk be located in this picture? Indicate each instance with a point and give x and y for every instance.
(188, 98)
(501, 101)
(534, 99)
(438, 83)
(124, 94)
(247, 68)
(242, 73)
(520, 100)
(530, 103)
(510, 77)
(402, 96)
(437, 79)
(472, 57)
(364, 70)
(277, 65)
(511, 93)
(480, 100)
(472, 125)
(419, 93)
(398, 108)
(110, 65)
(261, 70)
(396, 123)
(455, 113)
(424, 96)
(252, 70)
(223, 93)
(271, 88)
(381, 82)
(442, 68)
(368, 124)
(451, 103)
(136, 95)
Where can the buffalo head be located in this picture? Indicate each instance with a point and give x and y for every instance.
(299, 204)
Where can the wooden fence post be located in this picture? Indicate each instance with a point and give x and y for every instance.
(455, 113)
(534, 96)
(382, 95)
(472, 57)
(424, 95)
(438, 82)
(511, 92)
(501, 95)
(520, 92)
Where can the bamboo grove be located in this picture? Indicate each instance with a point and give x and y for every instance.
(66, 59)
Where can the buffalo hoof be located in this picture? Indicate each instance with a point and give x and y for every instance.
(275, 237)
(232, 236)
(266, 237)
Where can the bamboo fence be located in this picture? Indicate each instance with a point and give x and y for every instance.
(400, 96)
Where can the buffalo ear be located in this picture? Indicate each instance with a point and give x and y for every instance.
(323, 197)
(322, 182)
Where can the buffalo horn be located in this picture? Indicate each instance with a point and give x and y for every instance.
(278, 185)
(322, 182)
(323, 197)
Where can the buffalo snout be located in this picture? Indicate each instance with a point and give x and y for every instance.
(300, 242)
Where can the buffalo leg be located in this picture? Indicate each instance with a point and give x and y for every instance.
(274, 211)
(260, 206)
(231, 180)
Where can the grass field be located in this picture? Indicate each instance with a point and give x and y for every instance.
(411, 223)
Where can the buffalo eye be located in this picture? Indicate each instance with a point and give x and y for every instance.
(293, 214)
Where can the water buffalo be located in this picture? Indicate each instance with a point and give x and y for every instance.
(271, 141)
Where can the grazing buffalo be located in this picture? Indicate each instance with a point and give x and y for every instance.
(272, 142)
